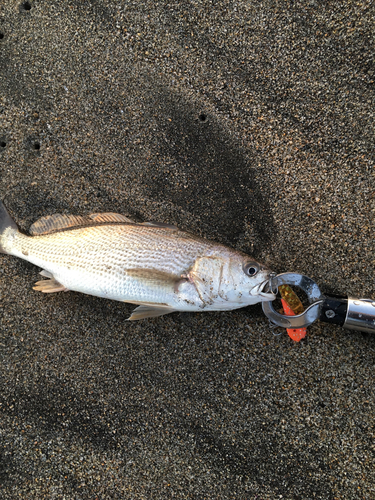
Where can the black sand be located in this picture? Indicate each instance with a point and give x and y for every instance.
(251, 123)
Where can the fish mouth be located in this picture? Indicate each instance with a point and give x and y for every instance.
(258, 290)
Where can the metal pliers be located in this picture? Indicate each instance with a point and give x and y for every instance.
(349, 312)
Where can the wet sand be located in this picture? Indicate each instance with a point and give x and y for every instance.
(249, 123)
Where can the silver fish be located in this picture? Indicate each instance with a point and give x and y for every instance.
(156, 266)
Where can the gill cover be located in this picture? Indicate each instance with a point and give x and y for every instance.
(206, 275)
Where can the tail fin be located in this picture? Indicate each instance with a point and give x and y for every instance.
(6, 222)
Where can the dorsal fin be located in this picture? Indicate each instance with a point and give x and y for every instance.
(162, 225)
(59, 222)
(110, 217)
(56, 222)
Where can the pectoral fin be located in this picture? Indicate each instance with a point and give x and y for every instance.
(152, 278)
(165, 284)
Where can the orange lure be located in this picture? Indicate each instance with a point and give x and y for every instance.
(292, 306)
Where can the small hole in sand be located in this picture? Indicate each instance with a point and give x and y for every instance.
(26, 6)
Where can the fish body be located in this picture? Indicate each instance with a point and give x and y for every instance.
(157, 266)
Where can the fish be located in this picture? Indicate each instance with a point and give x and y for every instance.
(156, 266)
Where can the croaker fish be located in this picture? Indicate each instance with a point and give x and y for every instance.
(156, 266)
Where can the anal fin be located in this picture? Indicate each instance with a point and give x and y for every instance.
(50, 285)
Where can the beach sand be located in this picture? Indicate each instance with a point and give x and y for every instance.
(249, 123)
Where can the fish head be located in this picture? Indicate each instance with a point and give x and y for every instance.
(230, 280)
(245, 281)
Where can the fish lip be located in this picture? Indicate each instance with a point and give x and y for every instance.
(258, 291)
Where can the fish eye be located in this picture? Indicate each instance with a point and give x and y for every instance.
(251, 269)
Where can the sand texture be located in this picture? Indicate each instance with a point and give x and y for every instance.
(249, 123)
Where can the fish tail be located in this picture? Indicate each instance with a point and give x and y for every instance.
(8, 228)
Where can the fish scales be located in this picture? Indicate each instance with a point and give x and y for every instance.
(162, 269)
(94, 259)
